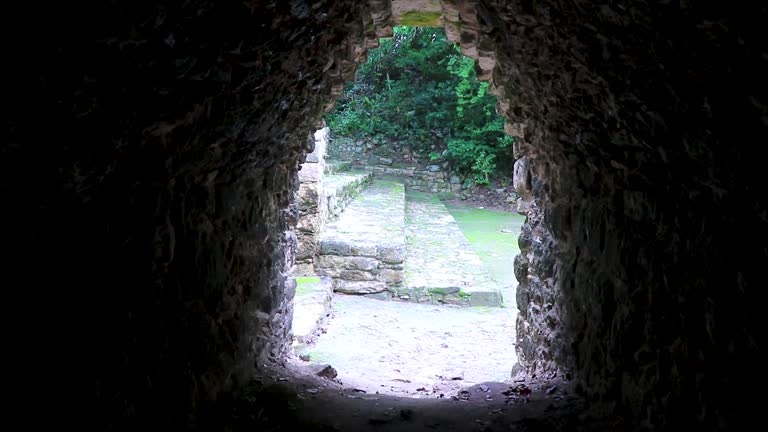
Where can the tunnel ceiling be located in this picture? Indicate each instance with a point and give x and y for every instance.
(151, 161)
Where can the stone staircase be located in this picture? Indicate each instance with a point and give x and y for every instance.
(364, 249)
(365, 236)
(387, 246)
(340, 188)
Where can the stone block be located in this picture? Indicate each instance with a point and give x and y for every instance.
(356, 275)
(365, 250)
(391, 253)
(521, 268)
(306, 248)
(485, 298)
(520, 179)
(310, 223)
(347, 262)
(359, 287)
(523, 299)
(333, 246)
(309, 195)
(311, 172)
(391, 277)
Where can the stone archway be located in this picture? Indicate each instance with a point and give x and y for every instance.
(171, 136)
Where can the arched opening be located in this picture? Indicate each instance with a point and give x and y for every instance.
(150, 163)
(407, 198)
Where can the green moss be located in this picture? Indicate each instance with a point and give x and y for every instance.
(319, 357)
(420, 19)
(306, 285)
(435, 294)
(493, 235)
(464, 295)
(415, 196)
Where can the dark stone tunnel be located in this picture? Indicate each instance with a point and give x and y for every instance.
(149, 169)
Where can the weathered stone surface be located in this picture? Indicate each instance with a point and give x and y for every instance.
(308, 198)
(364, 249)
(392, 277)
(349, 275)
(312, 202)
(359, 287)
(311, 172)
(336, 166)
(340, 188)
(441, 264)
(394, 163)
(367, 242)
(521, 181)
(159, 160)
(312, 307)
(347, 262)
(391, 252)
(319, 203)
(169, 137)
(321, 143)
(335, 246)
(324, 371)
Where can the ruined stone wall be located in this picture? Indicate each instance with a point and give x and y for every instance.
(151, 158)
(640, 157)
(150, 161)
(398, 160)
(312, 204)
(538, 301)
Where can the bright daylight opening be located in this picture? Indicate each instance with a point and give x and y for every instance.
(408, 228)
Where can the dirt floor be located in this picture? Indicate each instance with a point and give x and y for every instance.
(423, 350)
(415, 350)
(400, 366)
(289, 398)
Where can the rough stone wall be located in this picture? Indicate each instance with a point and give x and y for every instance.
(397, 160)
(643, 163)
(151, 158)
(538, 327)
(312, 202)
(151, 154)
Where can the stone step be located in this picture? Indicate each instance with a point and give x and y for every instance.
(320, 203)
(311, 310)
(341, 188)
(442, 267)
(364, 249)
(337, 166)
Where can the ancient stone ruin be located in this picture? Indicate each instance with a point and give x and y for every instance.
(149, 171)
(324, 190)
(397, 160)
(354, 231)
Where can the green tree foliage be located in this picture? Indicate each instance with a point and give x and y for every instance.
(418, 88)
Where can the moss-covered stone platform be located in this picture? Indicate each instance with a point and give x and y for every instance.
(364, 249)
(442, 266)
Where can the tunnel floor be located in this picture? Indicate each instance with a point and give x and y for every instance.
(290, 396)
(415, 350)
